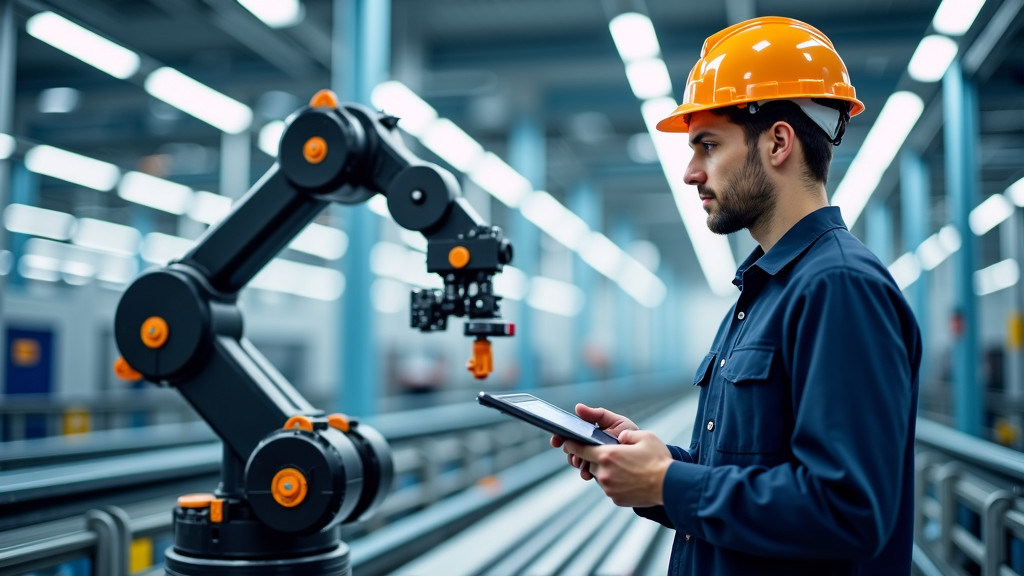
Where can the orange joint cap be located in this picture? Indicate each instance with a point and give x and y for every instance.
(201, 500)
(124, 371)
(482, 363)
(289, 487)
(324, 99)
(154, 332)
(458, 257)
(299, 422)
(314, 150)
(340, 422)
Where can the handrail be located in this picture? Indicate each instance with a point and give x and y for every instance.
(992, 457)
(34, 552)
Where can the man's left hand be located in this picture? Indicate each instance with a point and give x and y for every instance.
(631, 474)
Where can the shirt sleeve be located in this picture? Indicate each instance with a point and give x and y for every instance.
(851, 349)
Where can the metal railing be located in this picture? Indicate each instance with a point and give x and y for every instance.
(438, 452)
(969, 514)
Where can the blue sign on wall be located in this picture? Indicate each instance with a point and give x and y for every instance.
(28, 370)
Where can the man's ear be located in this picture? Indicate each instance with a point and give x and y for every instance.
(782, 140)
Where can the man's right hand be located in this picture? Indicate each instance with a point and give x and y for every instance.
(606, 420)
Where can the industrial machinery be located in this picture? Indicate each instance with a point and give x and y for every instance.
(291, 475)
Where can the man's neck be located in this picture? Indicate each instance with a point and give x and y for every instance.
(791, 206)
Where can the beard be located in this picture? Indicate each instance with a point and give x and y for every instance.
(749, 196)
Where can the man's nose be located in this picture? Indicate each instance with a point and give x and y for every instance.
(694, 174)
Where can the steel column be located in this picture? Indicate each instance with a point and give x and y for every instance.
(622, 353)
(527, 154)
(8, 47)
(915, 214)
(960, 113)
(360, 57)
(879, 230)
(585, 203)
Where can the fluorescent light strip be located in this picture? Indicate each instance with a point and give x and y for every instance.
(269, 140)
(199, 100)
(883, 142)
(905, 270)
(322, 241)
(649, 78)
(645, 287)
(209, 208)
(72, 167)
(394, 97)
(512, 283)
(634, 37)
(453, 145)
(78, 265)
(159, 248)
(155, 192)
(712, 250)
(955, 17)
(501, 180)
(998, 276)
(37, 221)
(932, 58)
(290, 277)
(83, 44)
(1015, 192)
(7, 146)
(107, 236)
(276, 13)
(989, 214)
(556, 220)
(555, 296)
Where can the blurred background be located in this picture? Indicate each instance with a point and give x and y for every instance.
(128, 127)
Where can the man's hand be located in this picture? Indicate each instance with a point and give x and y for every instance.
(606, 420)
(632, 473)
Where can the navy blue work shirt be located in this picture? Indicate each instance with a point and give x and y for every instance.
(801, 460)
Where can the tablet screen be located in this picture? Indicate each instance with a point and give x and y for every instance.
(564, 419)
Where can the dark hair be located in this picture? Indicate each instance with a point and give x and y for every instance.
(816, 144)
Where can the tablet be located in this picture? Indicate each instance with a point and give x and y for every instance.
(547, 416)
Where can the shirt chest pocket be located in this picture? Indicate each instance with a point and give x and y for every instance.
(752, 416)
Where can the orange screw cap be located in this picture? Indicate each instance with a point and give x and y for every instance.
(289, 487)
(482, 363)
(324, 99)
(154, 332)
(125, 372)
(315, 150)
(458, 257)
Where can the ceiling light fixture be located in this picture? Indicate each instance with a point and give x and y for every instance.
(199, 100)
(83, 44)
(72, 167)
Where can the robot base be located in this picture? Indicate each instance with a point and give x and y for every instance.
(331, 563)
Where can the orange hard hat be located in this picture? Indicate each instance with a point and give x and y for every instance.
(768, 58)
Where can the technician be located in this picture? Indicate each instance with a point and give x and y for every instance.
(801, 460)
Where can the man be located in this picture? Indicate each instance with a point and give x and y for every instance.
(801, 460)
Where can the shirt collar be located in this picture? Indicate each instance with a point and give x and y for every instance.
(793, 242)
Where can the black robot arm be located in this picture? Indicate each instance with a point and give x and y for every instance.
(304, 471)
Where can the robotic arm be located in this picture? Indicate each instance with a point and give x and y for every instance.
(291, 473)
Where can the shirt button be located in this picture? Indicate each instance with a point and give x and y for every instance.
(741, 315)
(687, 537)
(711, 425)
(722, 363)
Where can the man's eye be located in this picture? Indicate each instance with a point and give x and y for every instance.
(707, 146)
